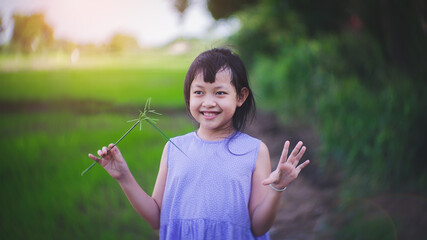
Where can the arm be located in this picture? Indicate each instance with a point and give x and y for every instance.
(146, 206)
(264, 201)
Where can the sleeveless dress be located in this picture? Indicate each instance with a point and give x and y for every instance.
(208, 188)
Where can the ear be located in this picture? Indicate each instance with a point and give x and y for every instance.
(241, 98)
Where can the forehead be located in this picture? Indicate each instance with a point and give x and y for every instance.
(222, 77)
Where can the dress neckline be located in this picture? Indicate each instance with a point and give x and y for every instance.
(215, 141)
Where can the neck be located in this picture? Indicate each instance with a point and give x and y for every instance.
(215, 135)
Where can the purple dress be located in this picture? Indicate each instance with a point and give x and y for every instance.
(207, 192)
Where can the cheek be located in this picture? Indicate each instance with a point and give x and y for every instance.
(193, 104)
(194, 109)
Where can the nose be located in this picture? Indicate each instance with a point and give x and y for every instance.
(208, 102)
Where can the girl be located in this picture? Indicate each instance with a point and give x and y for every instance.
(221, 188)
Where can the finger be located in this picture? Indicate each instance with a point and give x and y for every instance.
(292, 157)
(284, 152)
(111, 146)
(99, 153)
(104, 151)
(94, 158)
(296, 149)
(299, 156)
(303, 165)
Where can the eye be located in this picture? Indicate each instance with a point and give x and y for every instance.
(198, 92)
(220, 93)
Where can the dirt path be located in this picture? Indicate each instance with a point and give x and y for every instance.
(306, 202)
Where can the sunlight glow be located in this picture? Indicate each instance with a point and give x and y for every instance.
(95, 21)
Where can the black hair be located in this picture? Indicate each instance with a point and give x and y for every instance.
(209, 63)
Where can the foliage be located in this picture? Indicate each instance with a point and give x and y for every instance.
(225, 8)
(368, 114)
(397, 27)
(368, 109)
(360, 83)
(2, 27)
(42, 191)
(218, 8)
(30, 33)
(51, 119)
(122, 42)
(181, 5)
(124, 86)
(363, 224)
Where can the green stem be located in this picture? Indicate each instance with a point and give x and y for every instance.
(164, 135)
(124, 135)
(109, 149)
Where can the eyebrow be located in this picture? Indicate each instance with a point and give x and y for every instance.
(217, 87)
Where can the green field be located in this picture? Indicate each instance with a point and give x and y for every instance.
(113, 79)
(45, 139)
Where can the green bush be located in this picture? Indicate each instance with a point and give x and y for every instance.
(369, 115)
(362, 88)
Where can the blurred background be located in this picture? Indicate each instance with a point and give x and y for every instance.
(346, 77)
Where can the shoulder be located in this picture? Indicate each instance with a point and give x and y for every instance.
(263, 153)
(246, 138)
(263, 147)
(263, 164)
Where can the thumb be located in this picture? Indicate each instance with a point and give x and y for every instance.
(268, 181)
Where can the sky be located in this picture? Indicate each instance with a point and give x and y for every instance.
(151, 22)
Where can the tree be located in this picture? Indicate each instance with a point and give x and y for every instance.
(1, 31)
(181, 5)
(1, 24)
(218, 8)
(225, 8)
(122, 42)
(400, 27)
(31, 33)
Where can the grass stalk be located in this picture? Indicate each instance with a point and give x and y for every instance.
(109, 149)
(143, 116)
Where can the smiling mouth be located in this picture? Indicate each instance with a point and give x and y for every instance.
(209, 114)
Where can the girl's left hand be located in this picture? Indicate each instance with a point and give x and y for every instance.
(287, 169)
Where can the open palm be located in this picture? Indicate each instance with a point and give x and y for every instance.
(288, 169)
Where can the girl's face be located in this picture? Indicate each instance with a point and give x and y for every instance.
(213, 105)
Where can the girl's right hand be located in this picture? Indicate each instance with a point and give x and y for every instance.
(112, 161)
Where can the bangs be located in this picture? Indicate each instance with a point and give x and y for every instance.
(209, 66)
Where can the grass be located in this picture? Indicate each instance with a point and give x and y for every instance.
(366, 220)
(44, 152)
(119, 86)
(118, 79)
(43, 192)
